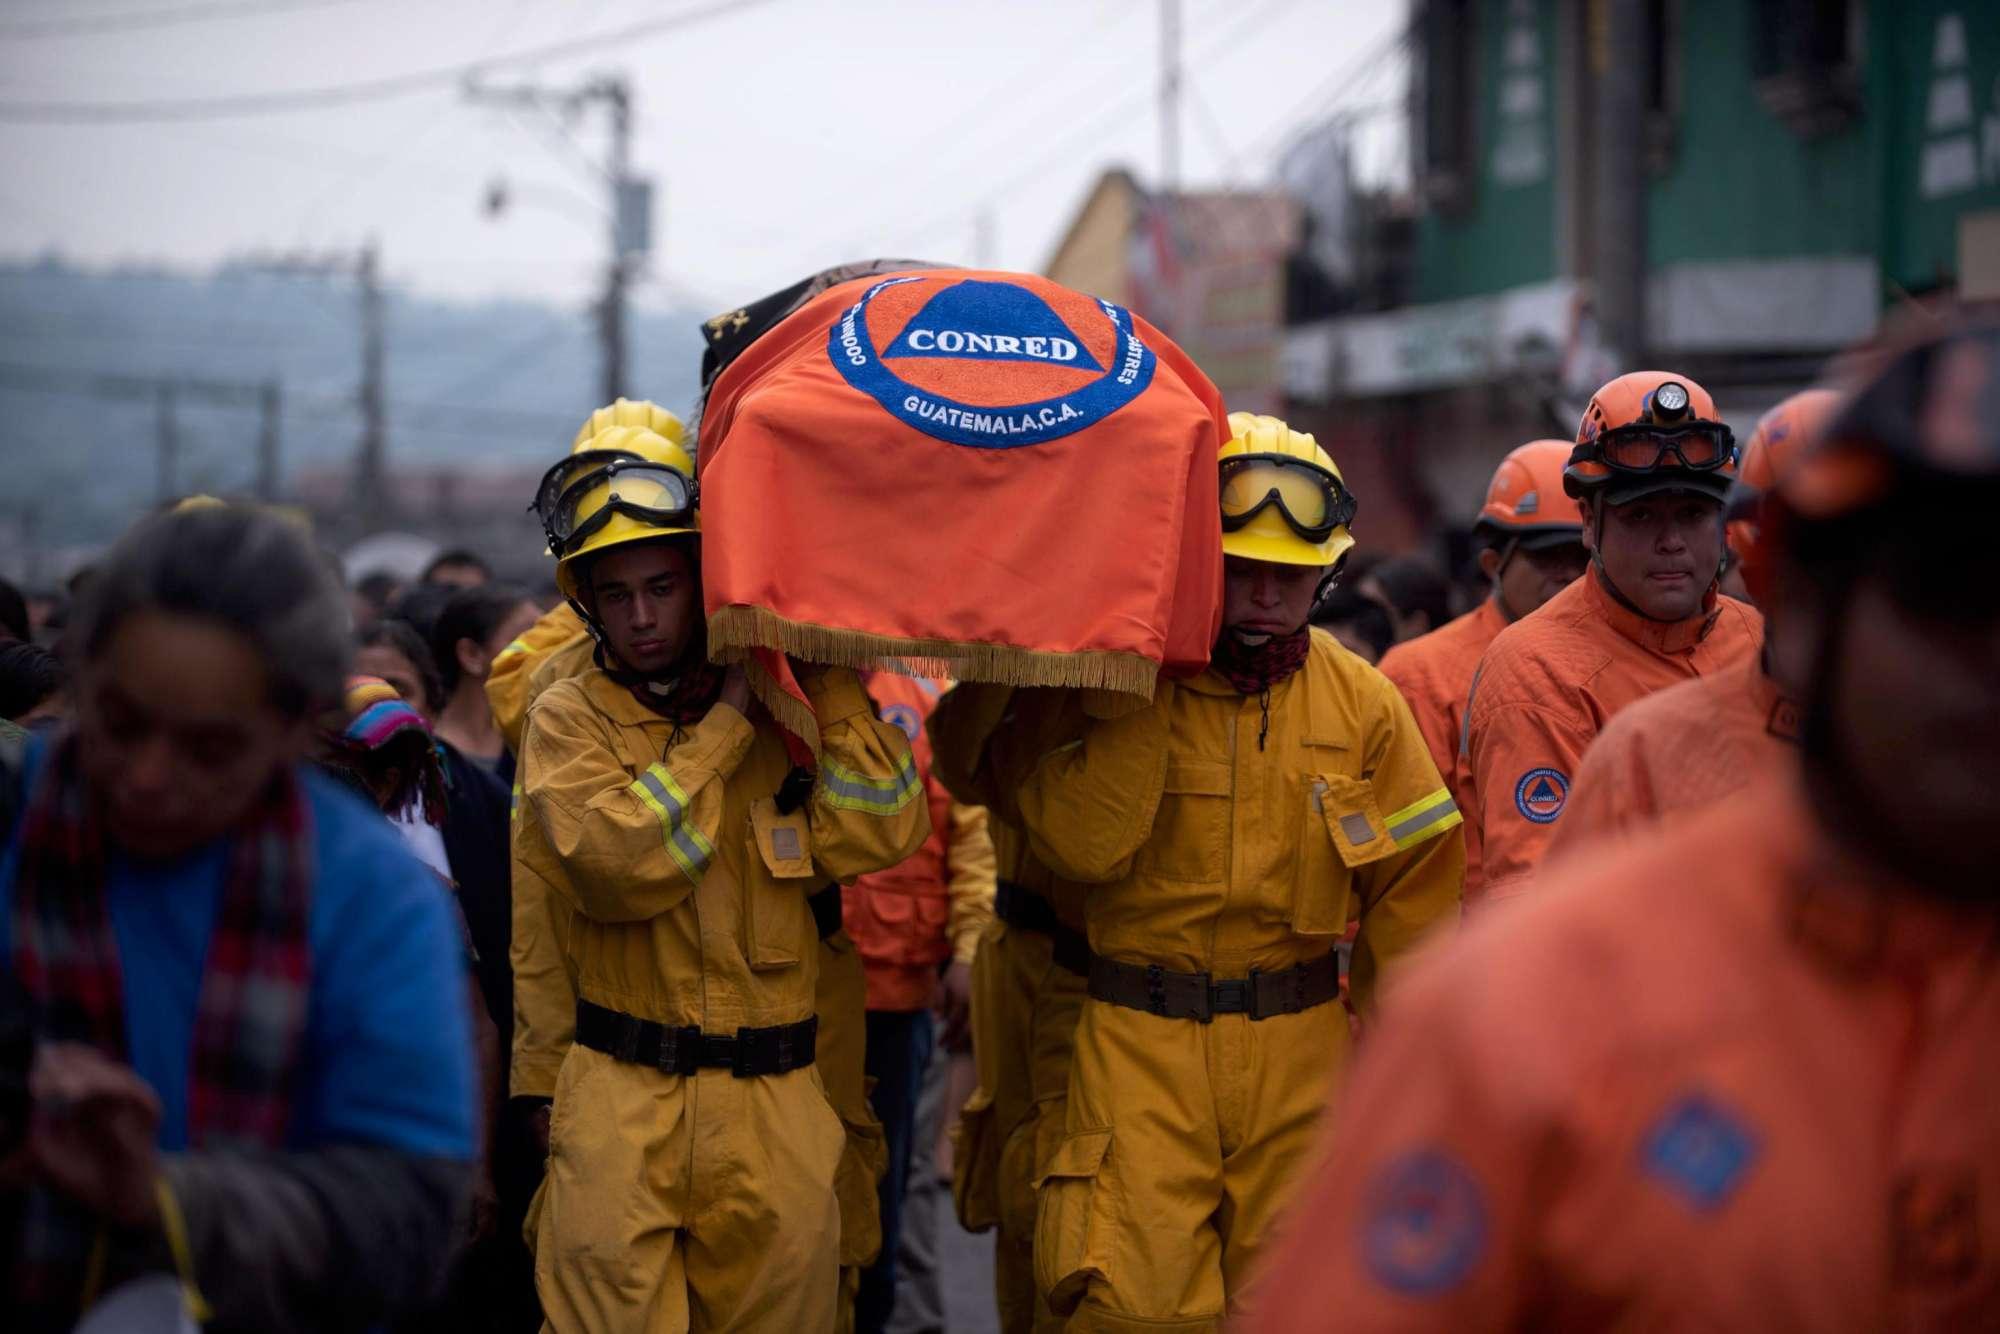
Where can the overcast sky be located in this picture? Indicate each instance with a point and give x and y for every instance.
(783, 135)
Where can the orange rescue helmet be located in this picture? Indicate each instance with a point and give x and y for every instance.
(1931, 414)
(1647, 432)
(1781, 436)
(1526, 501)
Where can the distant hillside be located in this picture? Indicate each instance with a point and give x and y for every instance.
(494, 385)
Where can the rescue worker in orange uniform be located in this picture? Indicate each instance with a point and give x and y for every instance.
(1532, 536)
(1651, 466)
(1704, 740)
(916, 926)
(693, 1150)
(1737, 1074)
(1028, 983)
(1228, 831)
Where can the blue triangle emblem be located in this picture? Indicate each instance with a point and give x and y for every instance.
(976, 320)
(1544, 791)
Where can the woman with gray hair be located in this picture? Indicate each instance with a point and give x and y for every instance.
(252, 1069)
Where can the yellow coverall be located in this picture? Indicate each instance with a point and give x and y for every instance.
(554, 649)
(985, 740)
(703, 1199)
(1218, 838)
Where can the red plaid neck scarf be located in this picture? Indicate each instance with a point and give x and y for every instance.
(1254, 668)
(255, 985)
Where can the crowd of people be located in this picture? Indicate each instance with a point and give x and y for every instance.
(1602, 950)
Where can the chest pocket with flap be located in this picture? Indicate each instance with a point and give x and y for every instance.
(777, 924)
(1190, 840)
(1344, 831)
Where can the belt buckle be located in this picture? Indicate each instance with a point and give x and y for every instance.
(1244, 993)
(674, 1041)
(749, 1042)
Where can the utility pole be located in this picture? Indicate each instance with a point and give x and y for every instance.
(1170, 96)
(631, 200)
(370, 468)
(169, 437)
(983, 246)
(267, 440)
(1620, 47)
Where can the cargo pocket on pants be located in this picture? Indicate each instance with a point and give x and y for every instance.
(975, 1164)
(1075, 1226)
(864, 1160)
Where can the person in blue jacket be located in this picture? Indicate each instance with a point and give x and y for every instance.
(252, 1068)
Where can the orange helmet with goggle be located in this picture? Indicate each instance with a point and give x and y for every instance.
(1782, 435)
(1648, 432)
(1526, 501)
(1283, 499)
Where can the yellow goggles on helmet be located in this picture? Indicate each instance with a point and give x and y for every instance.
(652, 493)
(1311, 499)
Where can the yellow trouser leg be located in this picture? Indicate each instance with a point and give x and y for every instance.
(841, 1000)
(1181, 1142)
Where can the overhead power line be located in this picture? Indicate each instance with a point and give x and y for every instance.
(365, 90)
(132, 20)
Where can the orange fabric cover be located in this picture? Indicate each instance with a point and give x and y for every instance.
(898, 917)
(1434, 672)
(1548, 685)
(1717, 1078)
(877, 479)
(1687, 747)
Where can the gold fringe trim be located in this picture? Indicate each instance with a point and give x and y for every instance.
(791, 712)
(736, 628)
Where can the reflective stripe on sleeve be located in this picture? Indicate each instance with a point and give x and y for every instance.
(518, 646)
(844, 789)
(514, 802)
(1424, 819)
(687, 845)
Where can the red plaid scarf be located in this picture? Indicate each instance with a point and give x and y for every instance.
(255, 985)
(1252, 668)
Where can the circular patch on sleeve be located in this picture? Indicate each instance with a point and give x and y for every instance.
(905, 718)
(1423, 1226)
(1541, 795)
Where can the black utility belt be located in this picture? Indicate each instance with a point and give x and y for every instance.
(1174, 995)
(1020, 907)
(683, 1050)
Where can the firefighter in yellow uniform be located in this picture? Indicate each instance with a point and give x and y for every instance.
(693, 1151)
(1028, 982)
(1228, 832)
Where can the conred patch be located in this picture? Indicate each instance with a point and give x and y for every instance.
(1541, 795)
(905, 718)
(1423, 1226)
(990, 363)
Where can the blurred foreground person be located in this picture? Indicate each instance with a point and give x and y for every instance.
(1531, 536)
(1739, 1074)
(693, 1150)
(1650, 469)
(1703, 741)
(1228, 832)
(253, 1067)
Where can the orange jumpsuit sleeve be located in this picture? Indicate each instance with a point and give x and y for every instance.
(1088, 805)
(1416, 1217)
(868, 810)
(622, 848)
(1523, 759)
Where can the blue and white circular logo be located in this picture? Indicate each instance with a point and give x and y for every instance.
(987, 363)
(1423, 1228)
(1541, 795)
(905, 718)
